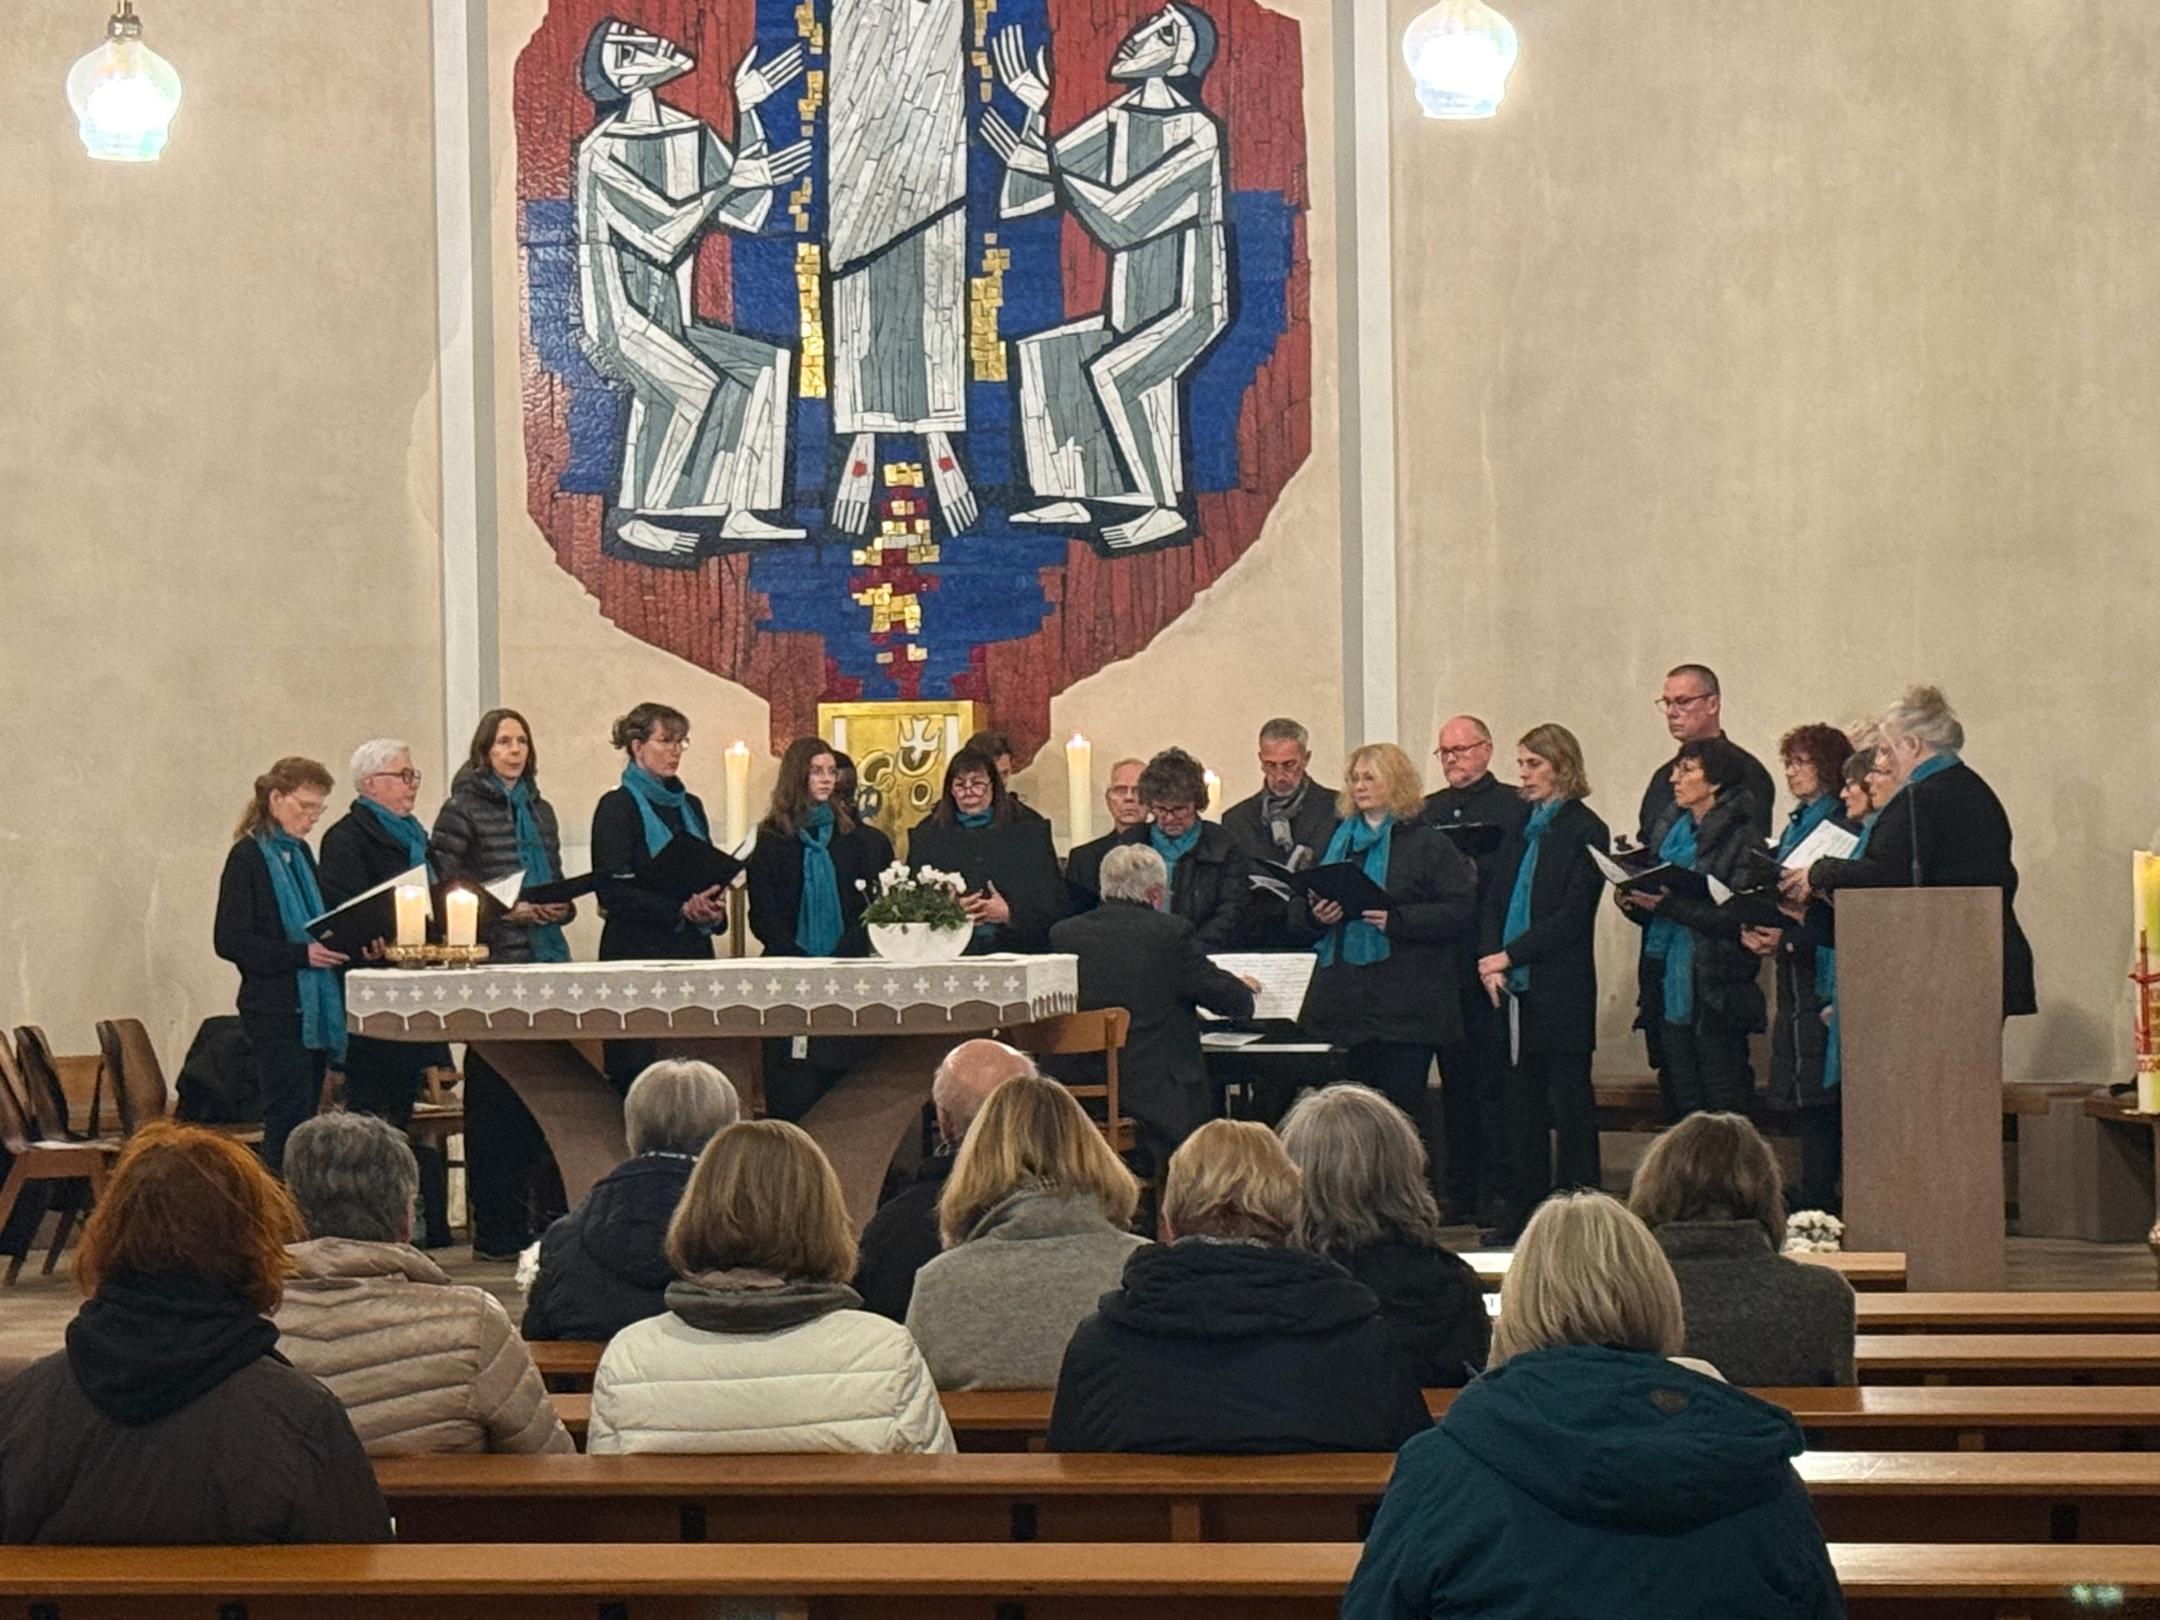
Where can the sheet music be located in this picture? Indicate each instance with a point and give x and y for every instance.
(1828, 841)
(1283, 977)
(1611, 869)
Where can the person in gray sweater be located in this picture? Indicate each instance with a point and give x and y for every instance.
(1033, 1220)
(1711, 1191)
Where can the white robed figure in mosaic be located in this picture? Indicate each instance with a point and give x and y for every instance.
(1101, 399)
(896, 243)
(705, 447)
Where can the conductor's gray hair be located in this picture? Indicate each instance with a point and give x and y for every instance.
(1363, 1168)
(1281, 729)
(353, 1176)
(678, 1105)
(1924, 715)
(375, 755)
(1131, 871)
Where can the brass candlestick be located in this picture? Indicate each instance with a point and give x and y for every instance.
(435, 955)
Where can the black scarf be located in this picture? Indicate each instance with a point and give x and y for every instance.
(144, 1347)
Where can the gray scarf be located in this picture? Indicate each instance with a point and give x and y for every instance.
(1278, 816)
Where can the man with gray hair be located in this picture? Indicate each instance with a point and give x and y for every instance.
(1135, 955)
(604, 1265)
(421, 1363)
(1288, 822)
(902, 1236)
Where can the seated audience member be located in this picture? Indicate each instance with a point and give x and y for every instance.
(604, 1265)
(1288, 822)
(1033, 1218)
(1587, 1473)
(1223, 1338)
(1209, 884)
(1134, 954)
(1083, 867)
(170, 1418)
(763, 1346)
(1711, 1190)
(1368, 1207)
(902, 1236)
(421, 1363)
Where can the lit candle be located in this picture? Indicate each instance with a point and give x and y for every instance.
(1214, 789)
(1079, 790)
(412, 914)
(2145, 885)
(738, 791)
(461, 917)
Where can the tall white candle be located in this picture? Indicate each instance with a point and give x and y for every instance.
(1079, 789)
(461, 917)
(412, 914)
(738, 791)
(1214, 790)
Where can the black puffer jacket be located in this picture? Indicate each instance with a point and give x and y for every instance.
(169, 1420)
(1238, 1348)
(1433, 1304)
(1728, 976)
(604, 1265)
(475, 838)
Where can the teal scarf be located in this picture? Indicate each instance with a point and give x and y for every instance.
(544, 940)
(648, 790)
(299, 898)
(817, 914)
(1933, 765)
(1361, 943)
(405, 829)
(1518, 906)
(1806, 817)
(976, 819)
(1172, 850)
(1833, 1065)
(1671, 943)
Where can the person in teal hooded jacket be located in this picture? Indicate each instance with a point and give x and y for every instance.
(1589, 1475)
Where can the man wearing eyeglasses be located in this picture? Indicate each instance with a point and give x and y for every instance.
(1694, 712)
(1473, 1070)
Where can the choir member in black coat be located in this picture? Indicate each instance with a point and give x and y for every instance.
(1539, 970)
(810, 857)
(1379, 985)
(290, 1002)
(1473, 1070)
(631, 825)
(1694, 711)
(1015, 890)
(1708, 986)
(1209, 884)
(1133, 954)
(1083, 866)
(1944, 828)
(1288, 822)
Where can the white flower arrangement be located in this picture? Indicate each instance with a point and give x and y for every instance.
(924, 895)
(1813, 1231)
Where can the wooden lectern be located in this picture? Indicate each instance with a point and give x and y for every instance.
(1919, 975)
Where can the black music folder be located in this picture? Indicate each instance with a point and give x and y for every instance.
(687, 866)
(1638, 871)
(562, 891)
(1474, 838)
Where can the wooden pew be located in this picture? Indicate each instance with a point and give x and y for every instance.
(1863, 1269)
(2119, 1311)
(894, 1581)
(1883, 1496)
(1964, 1417)
(2008, 1358)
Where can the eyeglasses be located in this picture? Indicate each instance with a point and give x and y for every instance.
(1160, 810)
(1668, 705)
(1464, 752)
(411, 778)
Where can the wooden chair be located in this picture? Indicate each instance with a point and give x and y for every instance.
(39, 1088)
(1102, 1031)
(37, 1158)
(137, 1080)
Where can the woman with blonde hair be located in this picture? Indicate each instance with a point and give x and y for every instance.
(763, 1346)
(1374, 988)
(1588, 1473)
(1223, 1337)
(1033, 1220)
(170, 1418)
(290, 1003)
(1711, 1190)
(1369, 1207)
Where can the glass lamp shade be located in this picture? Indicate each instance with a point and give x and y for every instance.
(124, 95)
(1460, 54)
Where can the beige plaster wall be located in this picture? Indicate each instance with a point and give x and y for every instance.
(1814, 339)
(219, 463)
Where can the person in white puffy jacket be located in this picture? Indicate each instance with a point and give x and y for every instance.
(763, 1346)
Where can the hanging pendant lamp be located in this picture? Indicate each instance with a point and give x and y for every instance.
(1460, 54)
(124, 94)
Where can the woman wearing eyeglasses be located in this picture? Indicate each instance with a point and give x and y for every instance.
(378, 839)
(290, 1002)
